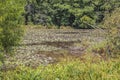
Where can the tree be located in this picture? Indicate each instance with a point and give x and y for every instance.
(75, 13)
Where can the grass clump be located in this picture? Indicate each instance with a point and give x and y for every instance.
(99, 48)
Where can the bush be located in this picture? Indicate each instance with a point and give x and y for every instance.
(112, 24)
(10, 21)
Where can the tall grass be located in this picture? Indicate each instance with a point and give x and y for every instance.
(68, 70)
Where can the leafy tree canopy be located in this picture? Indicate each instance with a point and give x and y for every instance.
(76, 13)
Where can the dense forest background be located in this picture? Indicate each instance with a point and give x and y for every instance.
(74, 13)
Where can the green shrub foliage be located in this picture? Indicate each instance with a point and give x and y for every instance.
(112, 24)
(10, 21)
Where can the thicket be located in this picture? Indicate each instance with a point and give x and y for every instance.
(112, 26)
(75, 13)
(10, 25)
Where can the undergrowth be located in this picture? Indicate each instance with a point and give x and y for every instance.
(86, 69)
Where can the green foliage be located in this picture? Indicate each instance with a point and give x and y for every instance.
(68, 70)
(10, 21)
(111, 45)
(75, 13)
(112, 24)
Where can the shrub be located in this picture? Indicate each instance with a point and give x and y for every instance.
(10, 21)
(112, 24)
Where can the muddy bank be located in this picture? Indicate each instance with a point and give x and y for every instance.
(48, 46)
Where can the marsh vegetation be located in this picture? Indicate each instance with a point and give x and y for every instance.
(85, 47)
